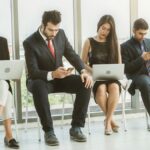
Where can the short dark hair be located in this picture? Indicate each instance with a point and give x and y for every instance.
(140, 24)
(52, 16)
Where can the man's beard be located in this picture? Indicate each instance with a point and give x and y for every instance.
(48, 37)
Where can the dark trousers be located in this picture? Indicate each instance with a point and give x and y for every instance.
(71, 84)
(142, 82)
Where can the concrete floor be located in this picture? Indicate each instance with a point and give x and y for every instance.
(136, 138)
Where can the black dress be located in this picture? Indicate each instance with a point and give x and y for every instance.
(100, 54)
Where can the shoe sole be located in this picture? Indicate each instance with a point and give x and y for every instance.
(116, 130)
(53, 144)
(11, 146)
(78, 140)
(107, 133)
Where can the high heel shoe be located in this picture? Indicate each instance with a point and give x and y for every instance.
(115, 129)
(108, 132)
(11, 143)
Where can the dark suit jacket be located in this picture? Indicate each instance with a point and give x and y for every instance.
(39, 59)
(131, 57)
(4, 53)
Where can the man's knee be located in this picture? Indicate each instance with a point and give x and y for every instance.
(81, 84)
(143, 82)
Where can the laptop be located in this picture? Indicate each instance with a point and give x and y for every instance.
(108, 71)
(11, 69)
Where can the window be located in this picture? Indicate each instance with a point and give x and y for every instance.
(143, 11)
(5, 21)
(30, 17)
(33, 14)
(90, 16)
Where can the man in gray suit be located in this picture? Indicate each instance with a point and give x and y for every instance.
(44, 50)
(136, 57)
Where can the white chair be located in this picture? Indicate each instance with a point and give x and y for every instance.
(63, 112)
(62, 117)
(15, 116)
(63, 108)
(125, 87)
(147, 120)
(27, 116)
(147, 115)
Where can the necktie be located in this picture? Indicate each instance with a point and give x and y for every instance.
(148, 61)
(51, 48)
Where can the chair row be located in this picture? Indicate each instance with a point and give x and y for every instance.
(124, 87)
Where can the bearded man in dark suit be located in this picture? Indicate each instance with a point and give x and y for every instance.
(44, 50)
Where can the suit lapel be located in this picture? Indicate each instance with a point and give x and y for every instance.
(137, 47)
(147, 45)
(44, 47)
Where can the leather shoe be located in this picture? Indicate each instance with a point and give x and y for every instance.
(77, 135)
(12, 143)
(51, 139)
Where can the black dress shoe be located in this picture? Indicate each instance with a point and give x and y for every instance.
(11, 143)
(77, 135)
(51, 139)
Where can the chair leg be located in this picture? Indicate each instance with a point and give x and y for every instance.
(39, 130)
(15, 119)
(89, 121)
(14, 111)
(123, 110)
(26, 113)
(63, 112)
(147, 120)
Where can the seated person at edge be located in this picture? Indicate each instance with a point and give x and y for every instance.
(103, 49)
(44, 50)
(6, 99)
(136, 57)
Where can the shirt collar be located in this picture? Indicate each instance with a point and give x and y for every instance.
(136, 41)
(42, 35)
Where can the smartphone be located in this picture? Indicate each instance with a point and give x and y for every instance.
(70, 69)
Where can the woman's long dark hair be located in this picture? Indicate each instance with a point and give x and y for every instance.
(112, 37)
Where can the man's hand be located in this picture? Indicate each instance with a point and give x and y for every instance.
(87, 79)
(60, 73)
(146, 56)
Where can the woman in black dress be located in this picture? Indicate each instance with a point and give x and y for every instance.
(103, 49)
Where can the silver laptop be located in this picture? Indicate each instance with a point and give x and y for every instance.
(108, 71)
(11, 69)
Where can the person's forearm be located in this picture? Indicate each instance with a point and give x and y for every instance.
(88, 68)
